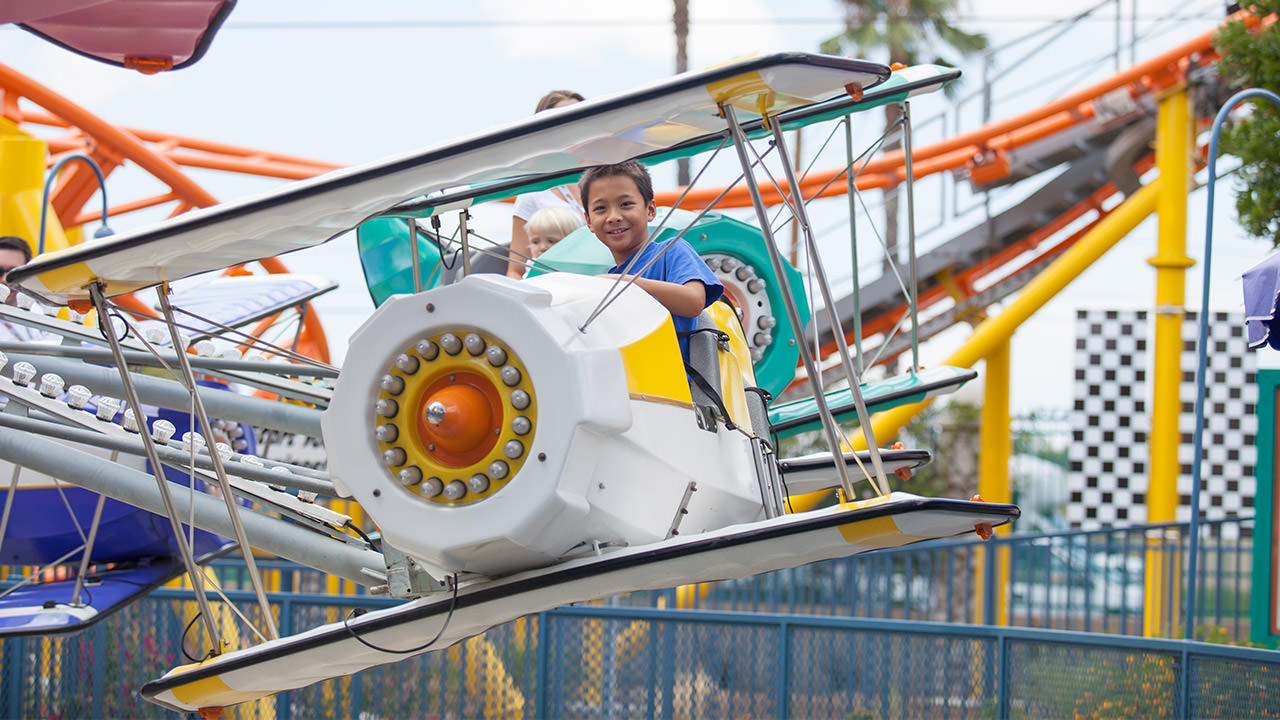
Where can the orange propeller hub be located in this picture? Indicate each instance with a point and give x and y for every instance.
(457, 419)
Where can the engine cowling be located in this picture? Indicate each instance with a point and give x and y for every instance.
(485, 432)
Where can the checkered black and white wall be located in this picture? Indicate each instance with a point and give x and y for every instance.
(1107, 484)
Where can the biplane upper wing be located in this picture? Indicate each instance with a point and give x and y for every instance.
(638, 123)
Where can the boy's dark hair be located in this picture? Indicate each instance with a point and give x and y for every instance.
(555, 97)
(631, 168)
(13, 242)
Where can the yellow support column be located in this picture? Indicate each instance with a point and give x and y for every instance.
(22, 165)
(998, 329)
(1173, 157)
(993, 476)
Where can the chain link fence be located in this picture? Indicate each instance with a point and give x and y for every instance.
(595, 662)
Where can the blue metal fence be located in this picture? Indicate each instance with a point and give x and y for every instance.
(1068, 580)
(633, 662)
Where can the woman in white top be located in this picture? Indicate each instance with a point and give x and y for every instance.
(526, 205)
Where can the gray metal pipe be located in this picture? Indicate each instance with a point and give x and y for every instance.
(171, 394)
(146, 359)
(178, 458)
(277, 537)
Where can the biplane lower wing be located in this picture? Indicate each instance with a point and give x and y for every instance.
(343, 648)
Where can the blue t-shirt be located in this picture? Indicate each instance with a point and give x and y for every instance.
(678, 265)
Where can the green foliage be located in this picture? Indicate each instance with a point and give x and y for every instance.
(908, 30)
(1251, 58)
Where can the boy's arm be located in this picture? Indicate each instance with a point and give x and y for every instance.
(687, 300)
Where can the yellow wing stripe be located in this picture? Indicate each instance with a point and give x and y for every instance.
(751, 93)
(654, 367)
(876, 532)
(211, 692)
(66, 280)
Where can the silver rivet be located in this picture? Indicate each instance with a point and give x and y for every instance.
(386, 433)
(392, 384)
(478, 483)
(432, 487)
(474, 343)
(454, 490)
(744, 272)
(510, 376)
(520, 399)
(521, 425)
(498, 469)
(451, 345)
(513, 449)
(762, 339)
(497, 356)
(393, 456)
(766, 322)
(435, 412)
(755, 285)
(427, 350)
(409, 476)
(386, 407)
(408, 364)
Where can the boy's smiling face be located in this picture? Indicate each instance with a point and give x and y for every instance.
(618, 215)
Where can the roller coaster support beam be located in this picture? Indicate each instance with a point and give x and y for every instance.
(998, 329)
(1173, 158)
(993, 481)
(988, 336)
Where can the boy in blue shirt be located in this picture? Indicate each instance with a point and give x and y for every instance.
(618, 200)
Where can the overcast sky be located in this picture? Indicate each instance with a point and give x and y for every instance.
(350, 83)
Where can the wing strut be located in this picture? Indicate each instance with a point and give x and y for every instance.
(189, 379)
(834, 436)
(796, 201)
(131, 396)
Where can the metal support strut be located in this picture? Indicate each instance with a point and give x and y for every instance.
(131, 397)
(820, 275)
(215, 458)
(834, 436)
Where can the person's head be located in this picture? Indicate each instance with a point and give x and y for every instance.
(14, 251)
(547, 226)
(619, 203)
(558, 98)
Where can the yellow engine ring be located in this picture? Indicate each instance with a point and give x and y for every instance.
(413, 464)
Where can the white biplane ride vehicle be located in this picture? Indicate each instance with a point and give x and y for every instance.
(520, 445)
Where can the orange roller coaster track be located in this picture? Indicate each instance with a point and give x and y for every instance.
(977, 152)
(163, 156)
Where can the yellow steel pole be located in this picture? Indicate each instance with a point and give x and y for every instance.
(1173, 158)
(993, 473)
(996, 330)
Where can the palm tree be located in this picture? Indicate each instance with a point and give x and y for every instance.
(910, 30)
